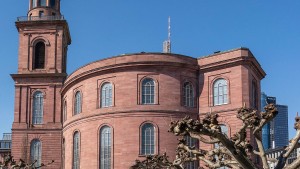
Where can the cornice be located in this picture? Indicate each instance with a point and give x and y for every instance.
(120, 67)
(38, 75)
(240, 60)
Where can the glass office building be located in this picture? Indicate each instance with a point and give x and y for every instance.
(275, 133)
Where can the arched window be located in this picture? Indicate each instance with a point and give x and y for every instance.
(106, 95)
(34, 3)
(191, 142)
(37, 108)
(43, 2)
(220, 91)
(39, 56)
(148, 91)
(77, 103)
(224, 130)
(188, 94)
(63, 153)
(105, 148)
(36, 152)
(254, 95)
(148, 139)
(52, 3)
(65, 111)
(76, 150)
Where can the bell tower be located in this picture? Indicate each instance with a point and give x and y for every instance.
(43, 43)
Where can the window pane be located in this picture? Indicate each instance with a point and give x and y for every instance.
(148, 141)
(43, 2)
(77, 103)
(220, 92)
(37, 107)
(148, 90)
(224, 130)
(76, 150)
(105, 148)
(2, 145)
(254, 95)
(188, 95)
(106, 95)
(36, 152)
(52, 3)
(34, 3)
(65, 111)
(191, 142)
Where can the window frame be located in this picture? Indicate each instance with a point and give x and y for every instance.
(50, 3)
(63, 154)
(192, 142)
(154, 94)
(218, 95)
(65, 110)
(111, 92)
(186, 98)
(34, 3)
(226, 133)
(101, 129)
(76, 104)
(34, 56)
(33, 150)
(254, 94)
(142, 152)
(78, 149)
(41, 5)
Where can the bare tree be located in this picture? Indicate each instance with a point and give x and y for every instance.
(10, 163)
(234, 152)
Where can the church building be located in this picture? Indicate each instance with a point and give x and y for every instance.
(110, 112)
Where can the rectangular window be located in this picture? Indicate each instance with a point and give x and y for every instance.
(52, 3)
(2, 145)
(43, 2)
(34, 3)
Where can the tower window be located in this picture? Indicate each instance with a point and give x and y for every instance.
(38, 104)
(39, 56)
(105, 148)
(106, 95)
(43, 2)
(188, 94)
(148, 90)
(220, 92)
(147, 140)
(34, 3)
(36, 152)
(52, 3)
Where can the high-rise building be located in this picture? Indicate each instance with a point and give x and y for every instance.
(280, 126)
(110, 112)
(275, 133)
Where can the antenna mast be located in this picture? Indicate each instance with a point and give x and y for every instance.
(167, 43)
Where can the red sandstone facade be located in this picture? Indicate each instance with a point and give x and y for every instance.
(126, 113)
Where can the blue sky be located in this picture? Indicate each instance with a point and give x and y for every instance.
(100, 29)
